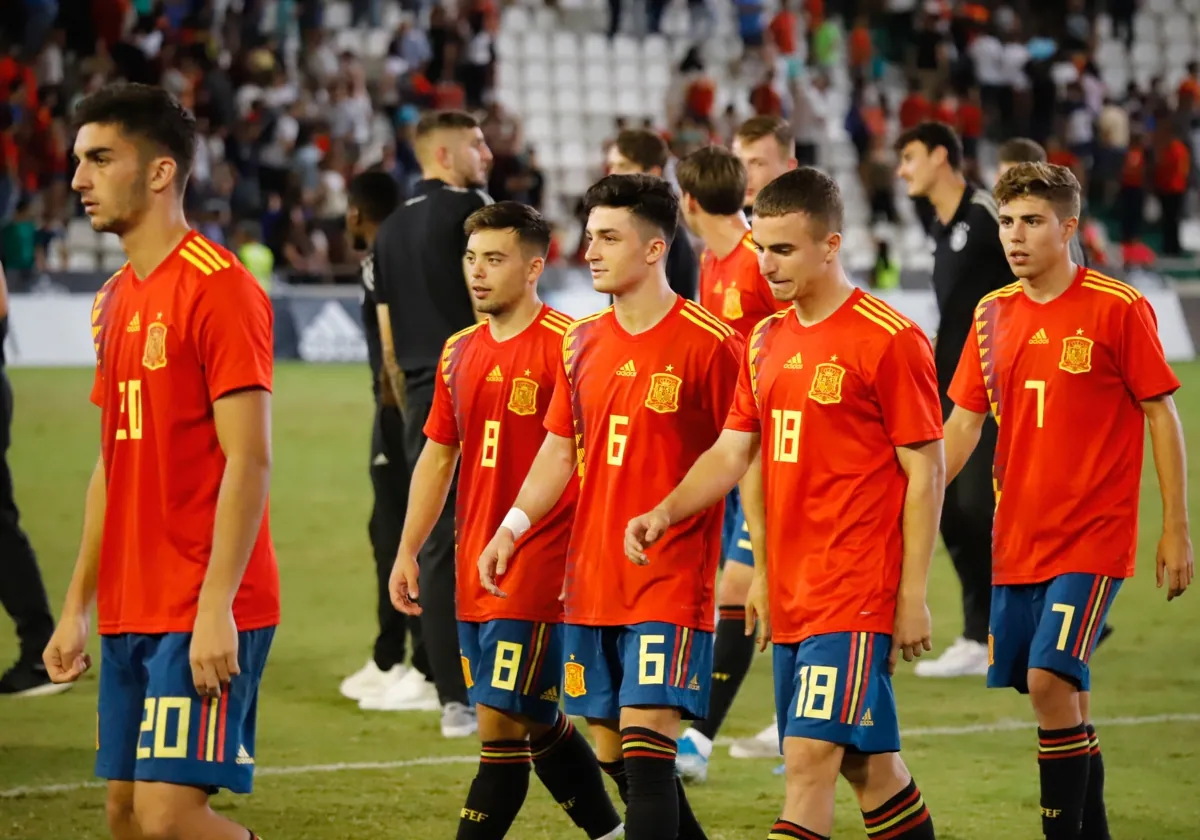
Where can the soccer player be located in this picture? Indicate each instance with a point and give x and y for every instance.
(1023, 150)
(713, 184)
(494, 387)
(1069, 363)
(643, 389)
(176, 549)
(842, 394)
(766, 147)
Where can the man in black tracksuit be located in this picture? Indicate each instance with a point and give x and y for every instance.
(420, 283)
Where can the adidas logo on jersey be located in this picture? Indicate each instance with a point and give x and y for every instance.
(551, 694)
(1039, 337)
(243, 757)
(495, 375)
(866, 719)
(794, 363)
(627, 369)
(136, 324)
(694, 685)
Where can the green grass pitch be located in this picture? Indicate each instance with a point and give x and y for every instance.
(328, 770)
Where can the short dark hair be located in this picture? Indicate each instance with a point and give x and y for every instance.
(756, 128)
(375, 194)
(716, 178)
(643, 147)
(1021, 150)
(432, 121)
(1055, 184)
(147, 114)
(533, 231)
(933, 135)
(649, 198)
(804, 190)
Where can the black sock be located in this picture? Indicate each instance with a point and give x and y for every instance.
(616, 772)
(1064, 756)
(784, 830)
(498, 791)
(1095, 816)
(689, 826)
(566, 765)
(733, 652)
(653, 807)
(903, 816)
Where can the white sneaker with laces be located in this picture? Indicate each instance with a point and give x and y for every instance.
(964, 658)
(763, 745)
(410, 693)
(370, 679)
(459, 721)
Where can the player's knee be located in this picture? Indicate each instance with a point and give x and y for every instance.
(118, 808)
(810, 765)
(735, 584)
(1051, 693)
(163, 816)
(875, 777)
(498, 725)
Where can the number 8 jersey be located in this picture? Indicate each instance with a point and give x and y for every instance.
(641, 409)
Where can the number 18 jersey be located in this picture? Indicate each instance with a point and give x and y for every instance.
(641, 409)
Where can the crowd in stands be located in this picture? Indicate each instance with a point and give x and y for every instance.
(288, 114)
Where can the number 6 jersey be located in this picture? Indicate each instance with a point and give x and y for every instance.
(641, 409)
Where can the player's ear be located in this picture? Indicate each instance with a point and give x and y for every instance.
(656, 249)
(1069, 228)
(534, 270)
(833, 246)
(162, 173)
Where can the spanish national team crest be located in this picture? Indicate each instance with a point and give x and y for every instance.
(523, 400)
(155, 354)
(1076, 354)
(664, 393)
(731, 309)
(466, 666)
(827, 383)
(573, 682)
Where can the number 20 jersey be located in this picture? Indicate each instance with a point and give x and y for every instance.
(641, 409)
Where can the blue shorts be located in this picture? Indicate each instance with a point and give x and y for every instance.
(152, 725)
(650, 664)
(514, 666)
(836, 688)
(1052, 625)
(735, 536)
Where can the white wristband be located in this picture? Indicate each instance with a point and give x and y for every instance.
(517, 522)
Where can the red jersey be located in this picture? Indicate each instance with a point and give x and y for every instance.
(832, 402)
(733, 289)
(490, 400)
(197, 328)
(641, 409)
(1064, 381)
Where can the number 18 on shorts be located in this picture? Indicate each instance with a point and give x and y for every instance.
(836, 688)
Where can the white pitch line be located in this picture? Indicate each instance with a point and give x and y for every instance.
(306, 769)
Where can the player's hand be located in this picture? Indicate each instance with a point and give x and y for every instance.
(214, 651)
(403, 585)
(913, 632)
(642, 532)
(1176, 563)
(493, 563)
(758, 608)
(63, 657)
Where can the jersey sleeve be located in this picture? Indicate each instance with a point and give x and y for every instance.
(97, 395)
(967, 389)
(1143, 364)
(233, 331)
(907, 389)
(560, 418)
(743, 414)
(723, 374)
(442, 424)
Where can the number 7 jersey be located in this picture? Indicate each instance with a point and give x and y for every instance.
(641, 409)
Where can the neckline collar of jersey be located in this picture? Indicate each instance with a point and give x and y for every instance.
(492, 341)
(625, 335)
(169, 258)
(1080, 271)
(793, 318)
(743, 242)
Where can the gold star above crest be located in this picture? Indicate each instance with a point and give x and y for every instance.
(670, 368)
(158, 317)
(572, 657)
(833, 358)
(526, 371)
(1079, 331)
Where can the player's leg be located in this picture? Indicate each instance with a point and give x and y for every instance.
(1071, 611)
(665, 672)
(891, 803)
(1095, 814)
(119, 715)
(118, 809)
(165, 811)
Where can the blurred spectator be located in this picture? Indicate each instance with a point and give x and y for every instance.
(1172, 166)
(256, 256)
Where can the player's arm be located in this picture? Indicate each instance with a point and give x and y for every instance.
(391, 367)
(64, 657)
(971, 407)
(758, 606)
(963, 428)
(430, 485)
(1175, 561)
(924, 465)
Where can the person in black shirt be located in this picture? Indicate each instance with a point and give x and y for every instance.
(373, 196)
(423, 298)
(22, 592)
(639, 151)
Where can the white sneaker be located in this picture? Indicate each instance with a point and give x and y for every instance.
(370, 680)
(964, 658)
(763, 745)
(459, 721)
(410, 693)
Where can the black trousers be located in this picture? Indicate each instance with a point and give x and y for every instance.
(967, 516)
(389, 480)
(22, 592)
(439, 628)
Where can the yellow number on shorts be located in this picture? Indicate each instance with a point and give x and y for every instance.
(1038, 385)
(1068, 612)
(616, 441)
(787, 435)
(508, 661)
(156, 719)
(491, 442)
(817, 685)
(651, 666)
(147, 725)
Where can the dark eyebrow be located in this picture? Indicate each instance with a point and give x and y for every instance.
(603, 231)
(1031, 217)
(95, 152)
